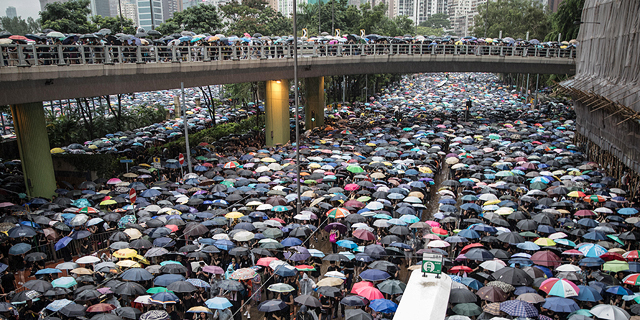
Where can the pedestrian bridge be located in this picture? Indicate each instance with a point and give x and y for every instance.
(33, 73)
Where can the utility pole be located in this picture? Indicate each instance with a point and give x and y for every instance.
(486, 20)
(295, 92)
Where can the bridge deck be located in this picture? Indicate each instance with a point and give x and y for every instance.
(109, 71)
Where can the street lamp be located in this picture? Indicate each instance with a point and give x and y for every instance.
(295, 92)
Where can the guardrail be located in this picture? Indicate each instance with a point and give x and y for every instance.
(19, 55)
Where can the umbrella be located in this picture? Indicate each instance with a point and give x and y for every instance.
(609, 312)
(518, 308)
(271, 305)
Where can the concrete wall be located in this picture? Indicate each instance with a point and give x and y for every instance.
(42, 83)
(424, 297)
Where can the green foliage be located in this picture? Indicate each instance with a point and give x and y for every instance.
(252, 17)
(103, 164)
(437, 21)
(75, 127)
(210, 135)
(17, 25)
(428, 31)
(514, 18)
(242, 92)
(115, 24)
(68, 17)
(351, 19)
(562, 21)
(202, 18)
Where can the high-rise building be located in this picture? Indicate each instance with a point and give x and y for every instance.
(169, 7)
(417, 10)
(190, 3)
(100, 8)
(150, 14)
(553, 5)
(11, 12)
(286, 6)
(462, 14)
(44, 3)
(129, 10)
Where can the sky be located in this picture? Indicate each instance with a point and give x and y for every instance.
(25, 8)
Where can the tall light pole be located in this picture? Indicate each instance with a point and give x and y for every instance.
(486, 19)
(295, 95)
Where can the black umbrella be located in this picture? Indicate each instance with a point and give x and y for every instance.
(73, 310)
(128, 312)
(335, 257)
(271, 305)
(181, 286)
(354, 301)
(462, 296)
(173, 268)
(308, 300)
(513, 276)
(329, 291)
(230, 285)
(130, 289)
(479, 254)
(38, 285)
(105, 316)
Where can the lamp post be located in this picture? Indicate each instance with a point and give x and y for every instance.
(295, 94)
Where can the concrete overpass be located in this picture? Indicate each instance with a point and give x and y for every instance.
(112, 70)
(30, 74)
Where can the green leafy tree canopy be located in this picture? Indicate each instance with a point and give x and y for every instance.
(68, 17)
(514, 18)
(202, 18)
(562, 21)
(437, 21)
(17, 25)
(254, 16)
(115, 24)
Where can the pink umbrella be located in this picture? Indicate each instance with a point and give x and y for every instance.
(560, 288)
(114, 181)
(213, 269)
(370, 293)
(432, 223)
(351, 187)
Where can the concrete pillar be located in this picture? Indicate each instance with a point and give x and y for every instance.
(277, 112)
(35, 153)
(314, 113)
(176, 107)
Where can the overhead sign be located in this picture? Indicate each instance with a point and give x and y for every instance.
(431, 263)
(156, 163)
(181, 159)
(132, 195)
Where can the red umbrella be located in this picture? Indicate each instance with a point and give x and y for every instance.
(101, 307)
(265, 261)
(471, 246)
(460, 269)
(360, 285)
(546, 258)
(612, 256)
(370, 293)
(363, 234)
(351, 187)
(573, 252)
(584, 213)
(173, 227)
(18, 37)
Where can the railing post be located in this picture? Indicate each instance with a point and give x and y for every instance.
(35, 54)
(174, 57)
(205, 54)
(21, 61)
(410, 49)
(120, 58)
(362, 50)
(139, 55)
(235, 53)
(220, 53)
(315, 51)
(339, 50)
(2, 57)
(390, 49)
(107, 55)
(83, 59)
(433, 50)
(61, 61)
(502, 51)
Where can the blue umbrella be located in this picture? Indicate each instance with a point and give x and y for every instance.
(383, 305)
(558, 304)
(519, 308)
(62, 243)
(285, 271)
(136, 274)
(591, 250)
(588, 293)
(591, 262)
(19, 248)
(345, 244)
(164, 298)
(595, 235)
(224, 244)
(471, 283)
(469, 234)
(218, 303)
(58, 304)
(374, 275)
(167, 279)
(528, 245)
(290, 242)
(523, 289)
(48, 271)
(619, 290)
(628, 211)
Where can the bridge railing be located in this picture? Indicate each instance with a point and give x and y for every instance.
(19, 55)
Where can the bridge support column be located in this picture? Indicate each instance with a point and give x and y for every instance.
(314, 113)
(33, 145)
(277, 128)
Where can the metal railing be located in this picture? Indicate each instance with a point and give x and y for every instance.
(19, 55)
(97, 242)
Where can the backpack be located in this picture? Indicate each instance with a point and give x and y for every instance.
(332, 238)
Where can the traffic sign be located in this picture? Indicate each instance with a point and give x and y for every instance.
(156, 163)
(431, 263)
(126, 161)
(132, 195)
(181, 159)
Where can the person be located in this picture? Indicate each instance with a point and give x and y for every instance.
(303, 314)
(306, 285)
(326, 303)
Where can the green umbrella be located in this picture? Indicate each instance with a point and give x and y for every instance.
(616, 239)
(467, 309)
(157, 289)
(392, 286)
(582, 312)
(272, 233)
(615, 266)
(538, 186)
(355, 169)
(494, 137)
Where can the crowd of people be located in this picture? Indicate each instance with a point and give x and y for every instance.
(527, 226)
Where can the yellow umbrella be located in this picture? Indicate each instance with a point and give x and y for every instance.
(57, 150)
(142, 259)
(82, 271)
(128, 264)
(125, 253)
(199, 309)
(133, 233)
(425, 170)
(107, 202)
(268, 160)
(490, 202)
(234, 215)
(504, 211)
(92, 147)
(545, 242)
(329, 282)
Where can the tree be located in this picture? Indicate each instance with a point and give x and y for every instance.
(68, 17)
(437, 21)
(428, 31)
(254, 16)
(562, 21)
(514, 18)
(17, 25)
(202, 18)
(115, 24)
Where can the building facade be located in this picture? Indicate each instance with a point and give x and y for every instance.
(150, 14)
(100, 8)
(11, 12)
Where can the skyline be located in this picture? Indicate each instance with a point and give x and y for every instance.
(25, 8)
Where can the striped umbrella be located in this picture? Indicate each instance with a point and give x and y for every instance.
(518, 308)
(243, 274)
(155, 315)
(337, 213)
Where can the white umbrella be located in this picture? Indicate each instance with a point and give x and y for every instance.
(609, 312)
(568, 267)
(438, 244)
(493, 265)
(88, 259)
